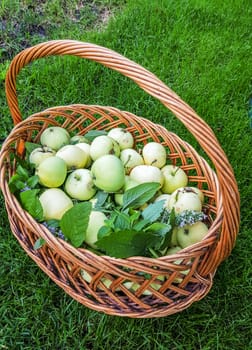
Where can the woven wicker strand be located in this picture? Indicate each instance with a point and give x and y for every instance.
(184, 283)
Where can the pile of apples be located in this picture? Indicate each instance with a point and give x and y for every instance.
(73, 169)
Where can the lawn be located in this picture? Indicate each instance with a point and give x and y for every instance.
(202, 50)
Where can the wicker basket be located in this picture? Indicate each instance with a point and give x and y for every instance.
(189, 273)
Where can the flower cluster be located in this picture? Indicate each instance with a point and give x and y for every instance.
(54, 229)
(189, 217)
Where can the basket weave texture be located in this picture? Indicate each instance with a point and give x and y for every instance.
(188, 274)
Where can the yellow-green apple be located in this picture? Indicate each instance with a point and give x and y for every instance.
(197, 191)
(74, 140)
(130, 158)
(102, 145)
(39, 154)
(147, 173)
(55, 137)
(86, 148)
(163, 197)
(96, 221)
(191, 234)
(123, 137)
(55, 203)
(182, 200)
(79, 185)
(52, 172)
(173, 250)
(174, 177)
(74, 157)
(108, 173)
(154, 154)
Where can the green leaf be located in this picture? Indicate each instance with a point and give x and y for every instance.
(101, 197)
(103, 231)
(23, 173)
(30, 202)
(172, 219)
(21, 161)
(33, 181)
(134, 214)
(139, 195)
(122, 221)
(159, 228)
(92, 134)
(153, 211)
(167, 239)
(39, 243)
(74, 223)
(147, 240)
(15, 184)
(30, 146)
(127, 243)
(139, 226)
(53, 223)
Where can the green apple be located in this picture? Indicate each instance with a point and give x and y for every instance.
(52, 172)
(154, 154)
(174, 241)
(191, 234)
(130, 158)
(154, 285)
(108, 173)
(79, 185)
(55, 203)
(182, 199)
(174, 177)
(103, 145)
(74, 157)
(195, 190)
(55, 137)
(74, 140)
(123, 137)
(147, 173)
(181, 273)
(96, 221)
(39, 154)
(173, 250)
(85, 275)
(163, 197)
(86, 148)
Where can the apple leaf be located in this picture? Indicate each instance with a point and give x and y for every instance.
(139, 195)
(74, 223)
(39, 243)
(159, 227)
(139, 225)
(30, 202)
(30, 146)
(153, 211)
(22, 172)
(92, 134)
(122, 221)
(127, 243)
(104, 231)
(32, 181)
(101, 197)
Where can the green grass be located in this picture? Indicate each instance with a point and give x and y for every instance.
(202, 50)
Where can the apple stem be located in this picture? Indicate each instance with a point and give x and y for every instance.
(174, 173)
(127, 161)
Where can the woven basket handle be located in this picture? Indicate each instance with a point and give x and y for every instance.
(152, 85)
